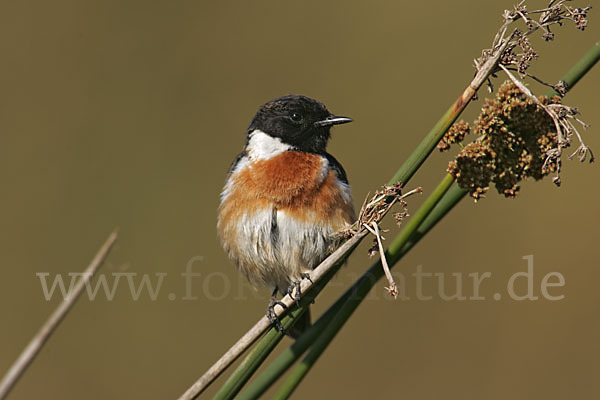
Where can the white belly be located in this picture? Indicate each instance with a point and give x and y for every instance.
(279, 248)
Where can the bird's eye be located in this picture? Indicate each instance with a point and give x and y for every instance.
(296, 117)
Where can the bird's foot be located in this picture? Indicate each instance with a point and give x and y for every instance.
(306, 275)
(272, 315)
(297, 285)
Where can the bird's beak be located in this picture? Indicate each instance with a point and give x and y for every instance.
(333, 120)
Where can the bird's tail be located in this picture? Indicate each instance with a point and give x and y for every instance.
(301, 325)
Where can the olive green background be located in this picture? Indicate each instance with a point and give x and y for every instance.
(128, 113)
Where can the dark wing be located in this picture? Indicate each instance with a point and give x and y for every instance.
(337, 167)
(235, 162)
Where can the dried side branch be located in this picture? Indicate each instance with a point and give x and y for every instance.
(393, 288)
(374, 209)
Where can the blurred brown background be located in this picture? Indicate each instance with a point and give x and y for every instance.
(128, 113)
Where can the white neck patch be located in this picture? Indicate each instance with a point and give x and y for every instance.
(262, 146)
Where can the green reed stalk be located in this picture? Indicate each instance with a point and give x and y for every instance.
(397, 249)
(406, 171)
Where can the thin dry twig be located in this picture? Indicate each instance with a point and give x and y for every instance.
(38, 341)
(379, 205)
(393, 288)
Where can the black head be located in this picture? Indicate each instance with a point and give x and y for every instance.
(299, 121)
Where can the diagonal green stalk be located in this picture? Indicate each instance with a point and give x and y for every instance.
(264, 347)
(272, 338)
(359, 290)
(289, 356)
(578, 70)
(292, 353)
(397, 250)
(428, 144)
(269, 341)
(255, 357)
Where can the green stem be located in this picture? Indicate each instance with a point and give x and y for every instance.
(255, 357)
(410, 166)
(292, 353)
(450, 199)
(428, 144)
(581, 68)
(264, 347)
(289, 356)
(360, 290)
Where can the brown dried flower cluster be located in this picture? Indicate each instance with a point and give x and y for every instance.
(455, 134)
(556, 12)
(516, 140)
(376, 207)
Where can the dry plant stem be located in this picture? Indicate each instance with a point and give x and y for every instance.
(535, 78)
(38, 341)
(263, 324)
(393, 288)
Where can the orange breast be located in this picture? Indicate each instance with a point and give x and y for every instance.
(294, 182)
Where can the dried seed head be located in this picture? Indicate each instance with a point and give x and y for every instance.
(374, 249)
(518, 51)
(561, 88)
(516, 136)
(548, 36)
(455, 134)
(579, 15)
(401, 216)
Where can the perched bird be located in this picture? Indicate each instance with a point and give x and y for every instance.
(286, 199)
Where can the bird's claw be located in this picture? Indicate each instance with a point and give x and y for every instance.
(298, 286)
(306, 275)
(272, 315)
(290, 292)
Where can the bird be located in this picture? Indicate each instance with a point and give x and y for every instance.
(285, 200)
